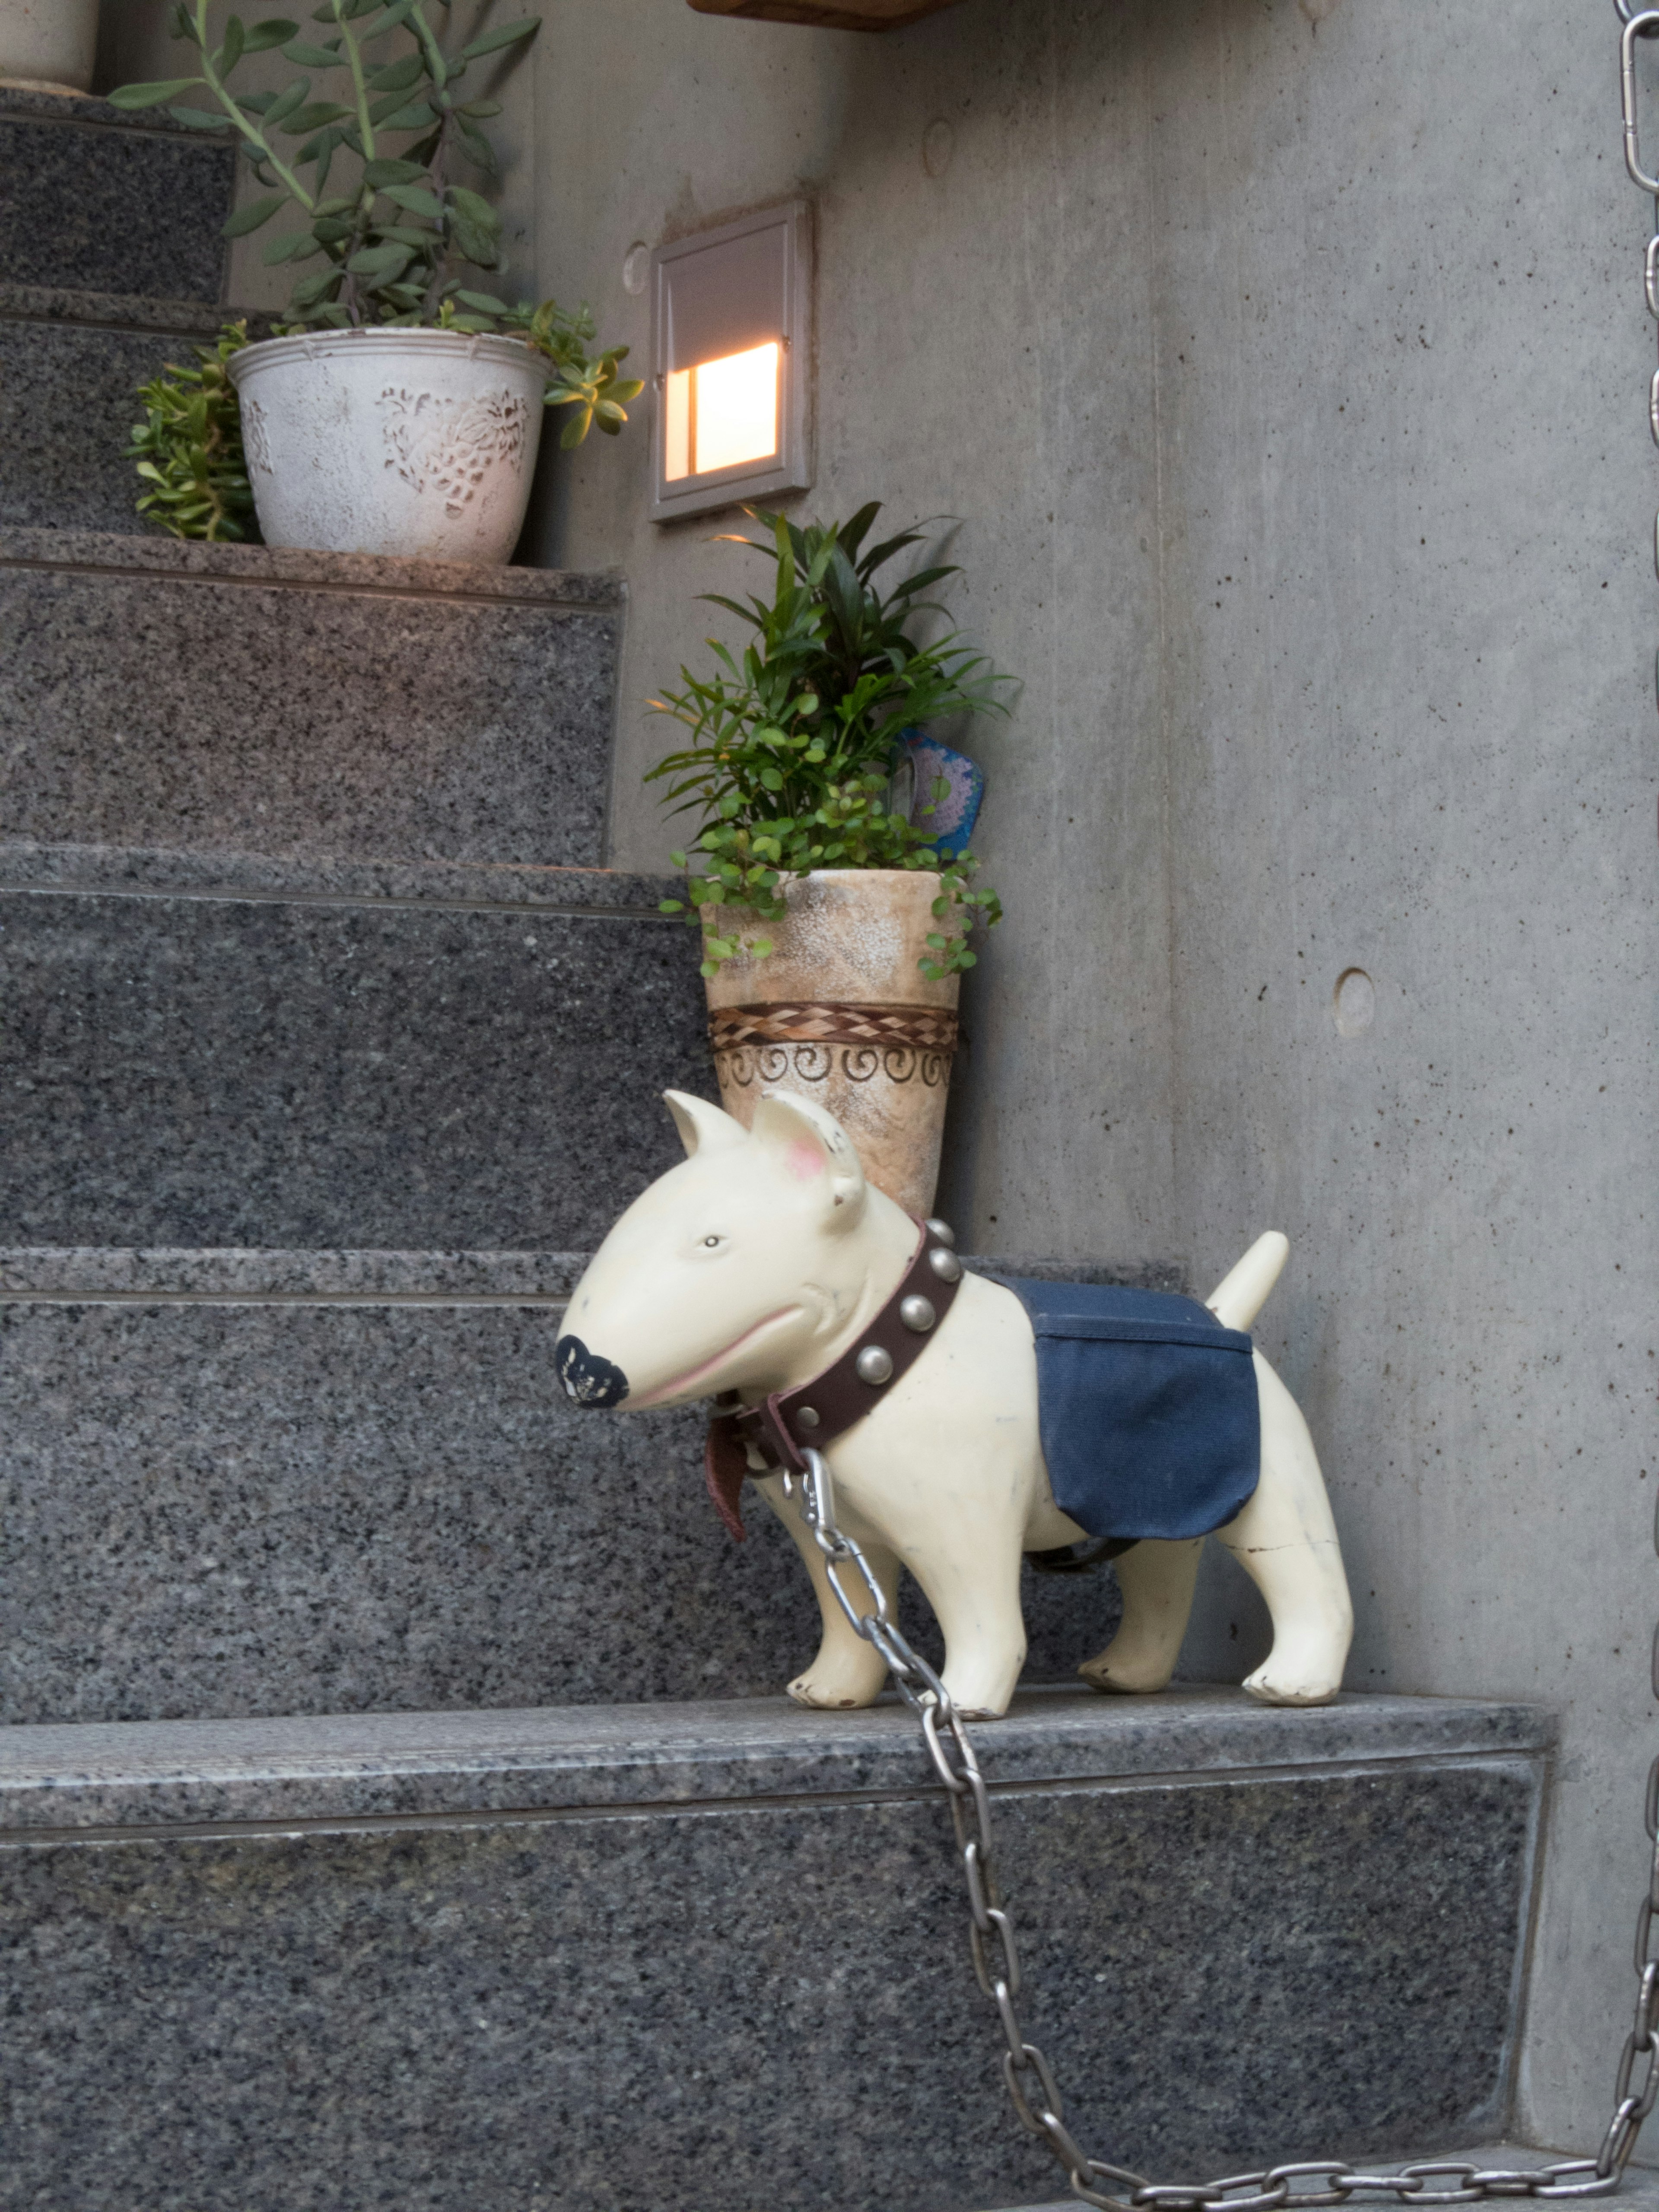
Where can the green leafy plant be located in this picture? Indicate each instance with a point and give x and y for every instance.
(796, 742)
(189, 447)
(390, 241)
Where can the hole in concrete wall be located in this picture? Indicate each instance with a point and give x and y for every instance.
(636, 267)
(938, 143)
(1353, 1002)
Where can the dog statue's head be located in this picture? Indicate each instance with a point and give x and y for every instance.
(733, 1271)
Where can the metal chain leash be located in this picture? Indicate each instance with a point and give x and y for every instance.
(991, 1941)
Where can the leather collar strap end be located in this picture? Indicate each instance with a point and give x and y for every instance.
(815, 1414)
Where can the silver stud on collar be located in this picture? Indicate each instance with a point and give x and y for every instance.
(806, 1416)
(945, 1264)
(874, 1366)
(941, 1232)
(917, 1313)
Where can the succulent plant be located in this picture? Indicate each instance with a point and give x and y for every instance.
(393, 234)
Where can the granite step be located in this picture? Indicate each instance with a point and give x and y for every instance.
(102, 201)
(238, 1050)
(70, 365)
(239, 1483)
(231, 698)
(713, 1955)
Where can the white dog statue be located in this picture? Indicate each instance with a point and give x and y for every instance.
(765, 1266)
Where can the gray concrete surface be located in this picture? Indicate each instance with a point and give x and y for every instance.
(1289, 381)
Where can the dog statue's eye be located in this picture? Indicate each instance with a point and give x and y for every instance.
(713, 1244)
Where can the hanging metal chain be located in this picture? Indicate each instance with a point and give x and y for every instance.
(1031, 2085)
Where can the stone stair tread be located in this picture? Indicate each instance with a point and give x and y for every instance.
(96, 196)
(86, 1274)
(146, 1773)
(433, 1973)
(308, 878)
(236, 698)
(123, 311)
(76, 107)
(25, 548)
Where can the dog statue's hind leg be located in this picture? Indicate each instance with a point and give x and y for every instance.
(1286, 1541)
(1157, 1581)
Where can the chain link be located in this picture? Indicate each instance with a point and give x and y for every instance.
(1032, 2089)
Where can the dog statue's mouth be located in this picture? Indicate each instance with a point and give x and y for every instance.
(686, 1385)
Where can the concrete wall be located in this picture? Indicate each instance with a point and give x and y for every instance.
(1287, 377)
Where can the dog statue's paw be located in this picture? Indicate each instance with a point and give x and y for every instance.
(828, 1689)
(1268, 1688)
(1122, 1679)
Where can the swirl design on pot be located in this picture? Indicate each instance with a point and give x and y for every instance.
(812, 1040)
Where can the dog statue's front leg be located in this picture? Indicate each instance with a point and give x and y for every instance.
(848, 1671)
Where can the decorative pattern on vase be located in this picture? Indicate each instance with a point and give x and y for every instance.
(766, 1043)
(451, 444)
(255, 438)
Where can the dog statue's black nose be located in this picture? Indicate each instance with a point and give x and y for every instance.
(588, 1379)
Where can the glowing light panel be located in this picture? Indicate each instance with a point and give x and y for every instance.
(722, 413)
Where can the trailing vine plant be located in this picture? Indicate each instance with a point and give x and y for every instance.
(796, 741)
(390, 241)
(189, 447)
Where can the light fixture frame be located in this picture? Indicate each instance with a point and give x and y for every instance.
(790, 470)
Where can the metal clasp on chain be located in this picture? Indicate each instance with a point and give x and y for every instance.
(1636, 26)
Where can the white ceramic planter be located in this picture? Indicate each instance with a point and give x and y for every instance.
(840, 1012)
(48, 45)
(415, 442)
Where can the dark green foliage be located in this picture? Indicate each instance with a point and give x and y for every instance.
(389, 244)
(796, 743)
(189, 447)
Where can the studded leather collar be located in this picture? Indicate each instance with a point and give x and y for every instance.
(815, 1414)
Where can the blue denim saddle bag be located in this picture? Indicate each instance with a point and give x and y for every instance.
(1147, 1406)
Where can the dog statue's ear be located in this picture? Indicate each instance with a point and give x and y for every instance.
(703, 1128)
(812, 1147)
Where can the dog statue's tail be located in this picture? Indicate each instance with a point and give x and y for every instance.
(1240, 1295)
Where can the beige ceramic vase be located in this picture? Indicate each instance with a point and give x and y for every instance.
(840, 1012)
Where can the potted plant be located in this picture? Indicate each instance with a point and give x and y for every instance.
(399, 411)
(835, 926)
(48, 45)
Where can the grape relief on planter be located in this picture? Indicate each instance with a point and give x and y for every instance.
(452, 443)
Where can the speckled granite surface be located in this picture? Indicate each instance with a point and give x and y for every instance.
(111, 202)
(389, 1765)
(311, 880)
(231, 698)
(198, 1071)
(107, 202)
(728, 2008)
(275, 1482)
(70, 367)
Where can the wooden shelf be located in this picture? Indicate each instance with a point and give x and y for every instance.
(852, 15)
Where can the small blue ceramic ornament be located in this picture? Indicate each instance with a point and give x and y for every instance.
(950, 823)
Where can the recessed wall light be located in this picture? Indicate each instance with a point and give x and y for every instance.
(731, 348)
